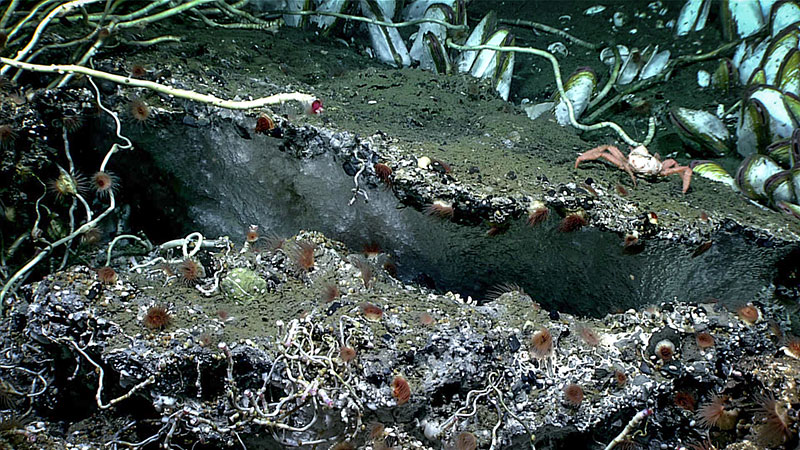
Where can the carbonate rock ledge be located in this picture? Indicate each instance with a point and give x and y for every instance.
(262, 360)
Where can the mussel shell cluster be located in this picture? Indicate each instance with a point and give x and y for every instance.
(428, 45)
(768, 126)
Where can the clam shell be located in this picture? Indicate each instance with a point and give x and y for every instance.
(479, 35)
(789, 208)
(752, 129)
(792, 104)
(701, 130)
(438, 12)
(783, 15)
(777, 51)
(386, 41)
(692, 17)
(607, 54)
(758, 77)
(504, 70)
(781, 122)
(485, 62)
(631, 65)
(656, 64)
(578, 89)
(779, 188)
(753, 173)
(434, 55)
(740, 18)
(714, 172)
(788, 79)
(781, 152)
(725, 75)
(796, 183)
(326, 22)
(750, 60)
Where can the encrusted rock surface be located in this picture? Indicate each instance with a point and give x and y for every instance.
(218, 370)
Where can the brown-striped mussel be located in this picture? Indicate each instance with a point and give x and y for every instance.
(701, 130)
(771, 178)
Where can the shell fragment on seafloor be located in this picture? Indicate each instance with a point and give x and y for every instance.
(692, 17)
(701, 130)
(386, 41)
(578, 89)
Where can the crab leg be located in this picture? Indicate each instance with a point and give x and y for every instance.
(609, 153)
(670, 166)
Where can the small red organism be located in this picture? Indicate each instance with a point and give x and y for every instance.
(71, 122)
(347, 354)
(139, 110)
(621, 190)
(620, 378)
(330, 292)
(371, 312)
(497, 229)
(665, 350)
(749, 314)
(774, 419)
(401, 391)
(440, 209)
(466, 441)
(303, 255)
(589, 336)
(704, 340)
(68, 185)
(572, 222)
(157, 317)
(376, 431)
(316, 107)
(542, 344)
(573, 394)
(91, 236)
(537, 213)
(251, 236)
(384, 173)
(371, 249)
(106, 275)
(792, 347)
(223, 315)
(138, 71)
(190, 272)
(714, 414)
(7, 136)
(440, 166)
(426, 319)
(684, 400)
(364, 267)
(104, 183)
(264, 124)
(390, 267)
